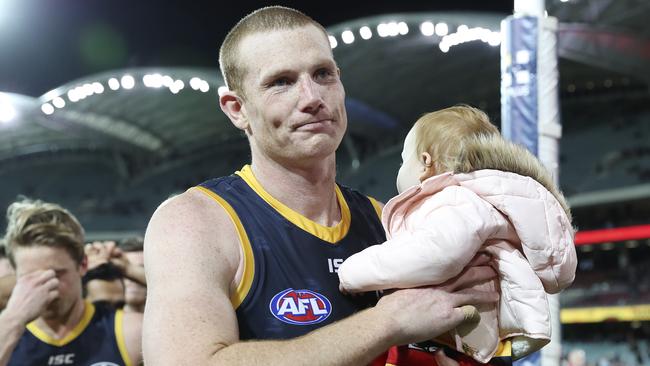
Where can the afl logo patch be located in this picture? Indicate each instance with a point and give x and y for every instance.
(300, 307)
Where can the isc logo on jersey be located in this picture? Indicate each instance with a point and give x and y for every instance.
(300, 307)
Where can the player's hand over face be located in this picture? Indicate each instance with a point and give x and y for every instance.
(99, 253)
(32, 294)
(424, 313)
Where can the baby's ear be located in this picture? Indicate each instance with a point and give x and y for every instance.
(427, 164)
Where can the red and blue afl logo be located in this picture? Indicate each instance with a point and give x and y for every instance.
(300, 307)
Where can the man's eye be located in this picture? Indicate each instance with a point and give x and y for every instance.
(324, 73)
(280, 82)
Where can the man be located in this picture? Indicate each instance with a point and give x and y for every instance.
(46, 321)
(135, 293)
(7, 277)
(128, 263)
(105, 284)
(254, 255)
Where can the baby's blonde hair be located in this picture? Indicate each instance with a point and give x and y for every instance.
(462, 139)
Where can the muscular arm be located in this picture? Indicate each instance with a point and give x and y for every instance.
(132, 328)
(191, 258)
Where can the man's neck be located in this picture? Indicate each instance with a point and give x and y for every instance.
(60, 327)
(309, 191)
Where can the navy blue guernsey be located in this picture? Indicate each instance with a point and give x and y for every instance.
(290, 283)
(96, 341)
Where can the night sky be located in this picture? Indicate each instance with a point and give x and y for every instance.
(46, 43)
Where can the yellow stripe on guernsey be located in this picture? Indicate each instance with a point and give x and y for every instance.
(119, 335)
(246, 281)
(376, 205)
(505, 349)
(331, 235)
(89, 311)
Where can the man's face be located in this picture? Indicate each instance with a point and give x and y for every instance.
(135, 293)
(111, 292)
(294, 101)
(5, 267)
(67, 271)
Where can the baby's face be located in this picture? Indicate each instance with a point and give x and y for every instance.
(412, 167)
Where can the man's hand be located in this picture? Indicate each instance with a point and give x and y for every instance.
(424, 313)
(32, 294)
(99, 253)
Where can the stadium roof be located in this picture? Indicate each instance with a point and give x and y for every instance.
(154, 115)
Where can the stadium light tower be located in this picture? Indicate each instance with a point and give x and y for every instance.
(530, 112)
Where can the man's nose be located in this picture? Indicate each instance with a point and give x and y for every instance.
(310, 95)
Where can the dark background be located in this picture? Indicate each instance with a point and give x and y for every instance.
(47, 43)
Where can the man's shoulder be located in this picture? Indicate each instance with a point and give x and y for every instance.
(188, 205)
(189, 223)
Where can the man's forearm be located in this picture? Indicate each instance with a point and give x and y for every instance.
(11, 329)
(357, 340)
(7, 284)
(136, 274)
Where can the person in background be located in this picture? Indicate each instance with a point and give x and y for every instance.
(47, 321)
(104, 283)
(7, 277)
(135, 291)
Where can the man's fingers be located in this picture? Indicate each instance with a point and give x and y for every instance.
(481, 259)
(117, 252)
(109, 245)
(470, 277)
(45, 276)
(52, 284)
(52, 295)
(442, 359)
(474, 297)
(470, 313)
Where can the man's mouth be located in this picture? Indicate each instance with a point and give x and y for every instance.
(313, 124)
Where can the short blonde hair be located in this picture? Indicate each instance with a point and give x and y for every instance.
(36, 223)
(261, 20)
(462, 139)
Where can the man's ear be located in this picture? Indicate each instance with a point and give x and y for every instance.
(427, 163)
(232, 105)
(83, 266)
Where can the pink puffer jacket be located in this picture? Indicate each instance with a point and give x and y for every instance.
(436, 228)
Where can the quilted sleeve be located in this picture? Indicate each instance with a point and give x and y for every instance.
(451, 230)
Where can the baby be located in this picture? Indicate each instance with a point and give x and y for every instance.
(465, 190)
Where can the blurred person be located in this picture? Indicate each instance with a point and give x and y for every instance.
(46, 320)
(464, 190)
(101, 252)
(7, 277)
(577, 357)
(105, 284)
(253, 256)
(135, 292)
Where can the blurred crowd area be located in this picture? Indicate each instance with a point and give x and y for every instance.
(606, 344)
